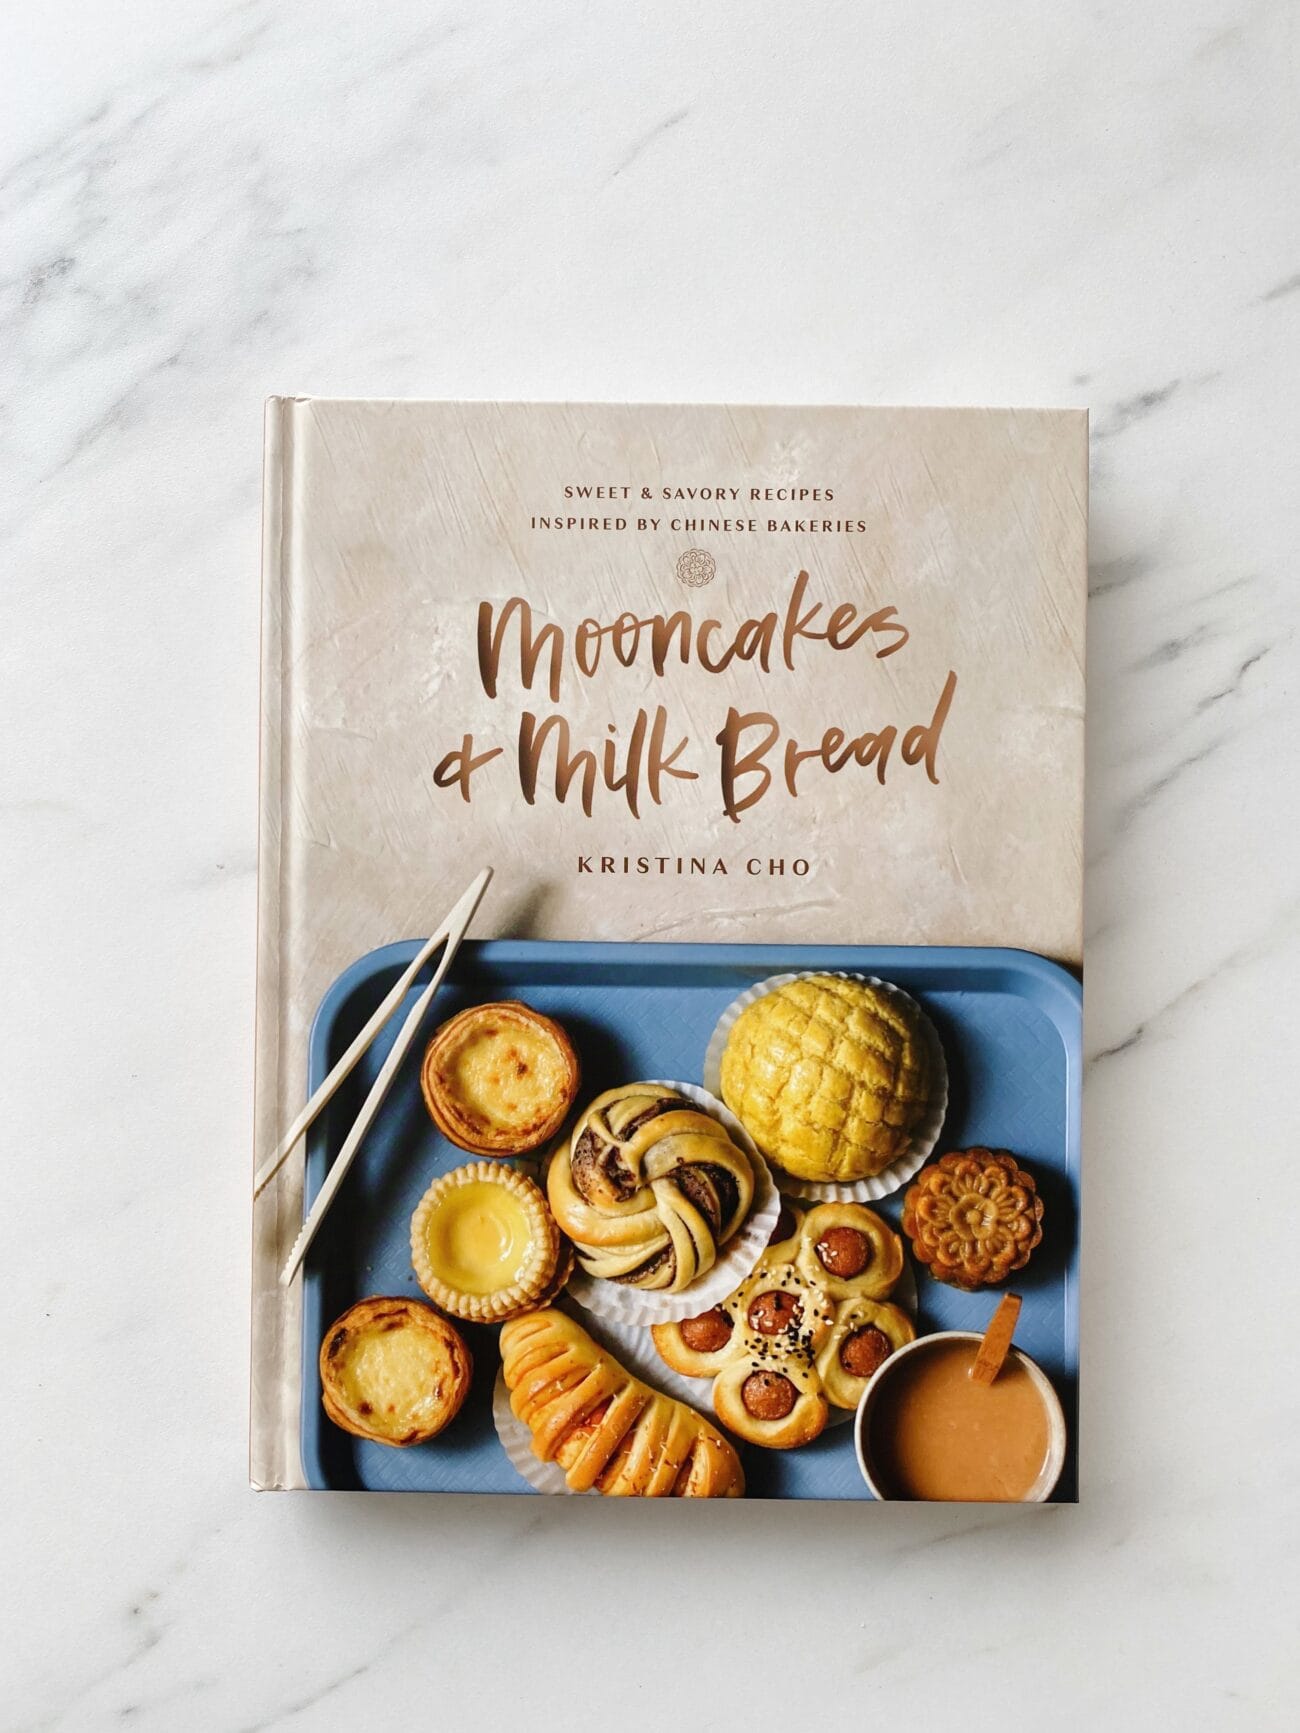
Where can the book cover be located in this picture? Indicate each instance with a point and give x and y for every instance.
(753, 1091)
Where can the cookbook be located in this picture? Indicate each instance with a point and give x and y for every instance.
(670, 951)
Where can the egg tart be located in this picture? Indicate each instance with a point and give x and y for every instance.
(831, 1077)
(393, 1371)
(498, 1079)
(484, 1244)
(973, 1217)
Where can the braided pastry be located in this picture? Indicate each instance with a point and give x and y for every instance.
(804, 1333)
(648, 1188)
(603, 1426)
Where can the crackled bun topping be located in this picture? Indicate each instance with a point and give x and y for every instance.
(831, 1077)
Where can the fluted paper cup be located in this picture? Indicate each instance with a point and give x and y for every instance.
(517, 1442)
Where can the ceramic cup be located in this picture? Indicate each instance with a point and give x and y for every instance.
(1042, 1488)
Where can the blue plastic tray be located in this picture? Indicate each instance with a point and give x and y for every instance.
(1011, 1029)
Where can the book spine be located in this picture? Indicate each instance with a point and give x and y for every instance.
(273, 1456)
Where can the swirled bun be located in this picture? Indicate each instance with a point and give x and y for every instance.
(649, 1187)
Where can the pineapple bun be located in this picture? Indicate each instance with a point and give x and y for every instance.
(830, 1077)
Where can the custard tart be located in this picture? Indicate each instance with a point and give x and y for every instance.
(485, 1246)
(498, 1079)
(393, 1371)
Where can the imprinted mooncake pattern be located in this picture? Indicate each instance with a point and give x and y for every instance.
(829, 1076)
(973, 1217)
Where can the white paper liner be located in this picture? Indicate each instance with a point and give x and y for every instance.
(925, 1136)
(634, 1305)
(517, 1442)
(635, 1347)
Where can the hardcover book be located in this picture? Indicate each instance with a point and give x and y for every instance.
(669, 950)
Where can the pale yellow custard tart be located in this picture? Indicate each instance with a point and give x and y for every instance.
(484, 1244)
(499, 1079)
(393, 1371)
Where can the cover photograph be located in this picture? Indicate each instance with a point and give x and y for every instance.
(670, 951)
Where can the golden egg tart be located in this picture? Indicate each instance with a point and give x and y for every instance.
(499, 1079)
(393, 1371)
(485, 1246)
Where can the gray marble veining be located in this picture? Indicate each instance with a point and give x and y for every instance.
(204, 203)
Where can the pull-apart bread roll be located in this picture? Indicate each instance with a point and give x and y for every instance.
(604, 1427)
(648, 1188)
(807, 1331)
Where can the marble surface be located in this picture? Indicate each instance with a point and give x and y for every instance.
(201, 204)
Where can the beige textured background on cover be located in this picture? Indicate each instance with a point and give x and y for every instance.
(388, 523)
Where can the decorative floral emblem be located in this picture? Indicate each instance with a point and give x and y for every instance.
(973, 1217)
(696, 568)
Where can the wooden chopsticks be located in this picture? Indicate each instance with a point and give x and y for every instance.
(996, 1345)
